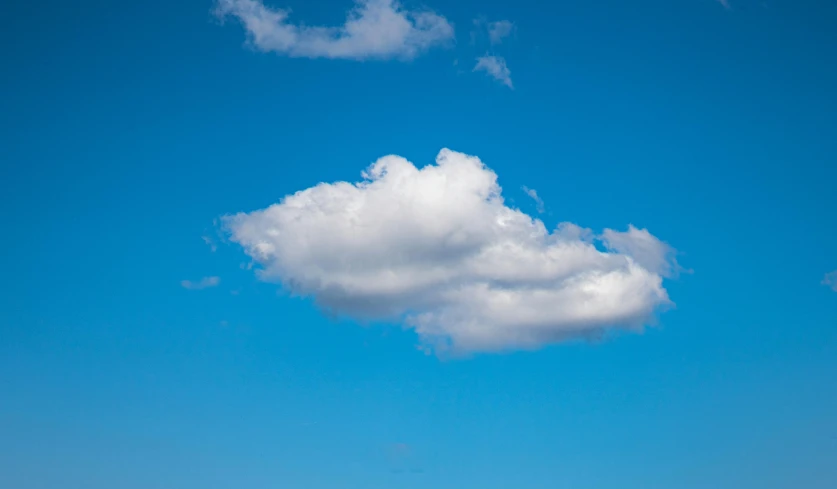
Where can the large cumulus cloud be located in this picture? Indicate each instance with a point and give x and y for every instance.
(437, 249)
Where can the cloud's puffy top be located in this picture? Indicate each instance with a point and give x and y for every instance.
(437, 248)
(373, 29)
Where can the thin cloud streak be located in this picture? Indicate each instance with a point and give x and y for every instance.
(539, 205)
(203, 283)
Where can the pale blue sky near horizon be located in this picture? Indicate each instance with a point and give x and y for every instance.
(128, 128)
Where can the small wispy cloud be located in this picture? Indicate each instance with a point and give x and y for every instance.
(830, 280)
(203, 283)
(210, 242)
(534, 195)
(495, 66)
(497, 31)
(374, 29)
(725, 4)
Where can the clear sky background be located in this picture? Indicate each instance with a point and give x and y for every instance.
(127, 128)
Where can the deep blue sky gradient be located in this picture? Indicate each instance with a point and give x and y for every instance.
(126, 128)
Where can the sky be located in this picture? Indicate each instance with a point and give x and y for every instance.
(432, 244)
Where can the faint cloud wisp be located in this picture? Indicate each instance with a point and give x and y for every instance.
(497, 31)
(539, 205)
(495, 66)
(209, 242)
(203, 283)
(830, 280)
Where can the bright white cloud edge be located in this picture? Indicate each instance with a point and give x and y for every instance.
(437, 249)
(373, 29)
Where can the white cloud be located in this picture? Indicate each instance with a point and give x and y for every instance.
(497, 31)
(534, 195)
(203, 283)
(831, 280)
(437, 249)
(373, 29)
(725, 4)
(496, 67)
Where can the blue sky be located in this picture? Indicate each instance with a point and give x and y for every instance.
(129, 129)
